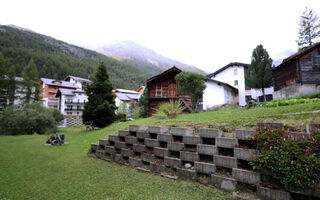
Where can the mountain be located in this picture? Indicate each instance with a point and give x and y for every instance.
(132, 53)
(57, 59)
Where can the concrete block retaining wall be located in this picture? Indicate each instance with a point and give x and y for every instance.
(191, 155)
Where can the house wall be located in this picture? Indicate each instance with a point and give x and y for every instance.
(215, 95)
(309, 73)
(255, 93)
(76, 107)
(285, 75)
(229, 76)
(296, 90)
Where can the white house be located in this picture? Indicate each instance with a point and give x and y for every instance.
(71, 101)
(218, 93)
(123, 98)
(80, 82)
(234, 75)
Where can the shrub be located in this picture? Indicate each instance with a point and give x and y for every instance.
(295, 164)
(29, 119)
(286, 102)
(121, 116)
(170, 110)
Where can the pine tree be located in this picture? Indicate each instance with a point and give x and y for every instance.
(11, 86)
(309, 29)
(259, 72)
(100, 108)
(30, 82)
(143, 104)
(3, 85)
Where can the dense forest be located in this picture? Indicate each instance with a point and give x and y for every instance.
(56, 59)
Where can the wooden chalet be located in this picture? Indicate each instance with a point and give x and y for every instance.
(163, 88)
(298, 74)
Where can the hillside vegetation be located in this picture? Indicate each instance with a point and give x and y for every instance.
(57, 59)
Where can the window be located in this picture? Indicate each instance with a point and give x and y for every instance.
(236, 82)
(316, 62)
(235, 71)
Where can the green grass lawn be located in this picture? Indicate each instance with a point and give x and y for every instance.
(30, 170)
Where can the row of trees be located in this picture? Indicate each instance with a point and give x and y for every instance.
(10, 86)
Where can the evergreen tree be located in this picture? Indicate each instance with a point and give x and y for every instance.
(11, 86)
(309, 29)
(193, 84)
(100, 108)
(3, 85)
(259, 72)
(143, 104)
(31, 82)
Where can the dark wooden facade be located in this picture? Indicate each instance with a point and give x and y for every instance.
(163, 88)
(300, 68)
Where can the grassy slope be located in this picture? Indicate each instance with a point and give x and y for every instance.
(30, 170)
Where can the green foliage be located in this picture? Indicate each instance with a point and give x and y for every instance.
(259, 72)
(286, 102)
(193, 84)
(295, 164)
(29, 119)
(169, 110)
(143, 104)
(252, 104)
(56, 59)
(58, 117)
(100, 108)
(122, 117)
(30, 82)
(309, 29)
(308, 96)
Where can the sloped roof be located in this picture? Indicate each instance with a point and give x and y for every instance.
(172, 69)
(77, 78)
(226, 67)
(298, 55)
(125, 91)
(66, 92)
(221, 83)
(127, 97)
(58, 83)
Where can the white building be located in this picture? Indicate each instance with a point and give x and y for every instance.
(71, 101)
(123, 98)
(234, 75)
(80, 82)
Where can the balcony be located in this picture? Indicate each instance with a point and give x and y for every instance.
(73, 109)
(74, 102)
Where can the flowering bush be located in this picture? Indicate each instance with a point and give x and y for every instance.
(295, 164)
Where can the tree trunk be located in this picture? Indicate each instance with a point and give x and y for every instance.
(264, 95)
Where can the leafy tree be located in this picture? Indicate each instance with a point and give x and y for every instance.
(11, 86)
(309, 29)
(3, 99)
(31, 82)
(143, 104)
(193, 84)
(259, 72)
(100, 108)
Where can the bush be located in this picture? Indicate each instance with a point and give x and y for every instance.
(295, 164)
(122, 117)
(170, 110)
(29, 119)
(286, 102)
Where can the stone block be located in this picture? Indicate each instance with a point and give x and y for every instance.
(114, 138)
(244, 134)
(160, 152)
(206, 149)
(204, 168)
(246, 176)
(172, 162)
(225, 183)
(126, 152)
(225, 161)
(143, 135)
(210, 133)
(157, 168)
(158, 130)
(175, 146)
(120, 145)
(99, 153)
(131, 140)
(118, 158)
(110, 150)
(139, 148)
(149, 158)
(272, 194)
(136, 128)
(227, 142)
(189, 156)
(151, 142)
(186, 173)
(95, 147)
(269, 126)
(313, 128)
(103, 142)
(165, 137)
(181, 131)
(135, 162)
(297, 135)
(245, 154)
(123, 133)
(192, 140)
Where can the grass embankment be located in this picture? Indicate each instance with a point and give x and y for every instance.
(30, 170)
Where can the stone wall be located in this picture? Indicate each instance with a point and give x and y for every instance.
(204, 156)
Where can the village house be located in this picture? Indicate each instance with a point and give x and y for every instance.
(125, 98)
(298, 74)
(233, 74)
(82, 83)
(163, 88)
(71, 102)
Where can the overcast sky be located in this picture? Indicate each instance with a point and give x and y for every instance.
(206, 34)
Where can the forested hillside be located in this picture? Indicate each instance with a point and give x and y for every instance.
(57, 59)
